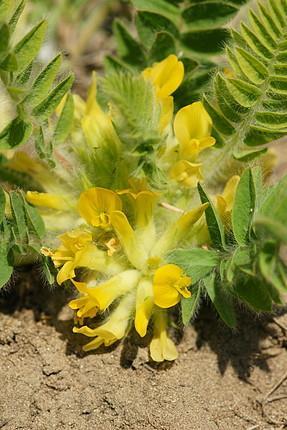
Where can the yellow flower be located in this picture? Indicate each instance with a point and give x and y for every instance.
(46, 200)
(97, 204)
(96, 124)
(143, 252)
(192, 128)
(224, 202)
(186, 173)
(166, 76)
(77, 250)
(115, 327)
(161, 347)
(85, 306)
(143, 204)
(169, 285)
(144, 306)
(22, 162)
(103, 294)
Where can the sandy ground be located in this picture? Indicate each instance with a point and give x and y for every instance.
(222, 379)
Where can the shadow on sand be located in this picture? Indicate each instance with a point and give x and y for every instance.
(240, 348)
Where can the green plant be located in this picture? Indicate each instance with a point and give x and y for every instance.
(197, 30)
(147, 205)
(249, 108)
(31, 91)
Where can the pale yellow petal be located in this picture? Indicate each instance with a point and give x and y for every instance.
(230, 190)
(166, 75)
(107, 292)
(126, 235)
(144, 306)
(96, 204)
(165, 296)
(46, 200)
(192, 122)
(91, 257)
(66, 272)
(115, 327)
(161, 347)
(144, 203)
(92, 104)
(178, 231)
(186, 173)
(167, 106)
(77, 239)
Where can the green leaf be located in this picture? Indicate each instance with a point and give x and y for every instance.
(128, 48)
(4, 38)
(254, 99)
(270, 227)
(268, 264)
(163, 46)
(214, 223)
(259, 190)
(253, 69)
(241, 259)
(27, 49)
(222, 124)
(221, 299)
(2, 204)
(275, 205)
(35, 223)
(243, 208)
(254, 292)
(209, 42)
(150, 24)
(248, 154)
(65, 122)
(24, 77)
(49, 104)
(209, 14)
(43, 82)
(129, 95)
(4, 9)
(196, 262)
(189, 306)
(9, 63)
(116, 65)
(18, 211)
(16, 133)
(43, 148)
(16, 15)
(162, 7)
(5, 269)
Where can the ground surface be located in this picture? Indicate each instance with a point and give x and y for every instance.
(220, 381)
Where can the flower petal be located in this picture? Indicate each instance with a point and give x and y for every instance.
(91, 257)
(165, 296)
(178, 230)
(133, 249)
(107, 292)
(115, 327)
(161, 347)
(46, 200)
(192, 122)
(96, 204)
(166, 75)
(186, 173)
(144, 306)
(66, 272)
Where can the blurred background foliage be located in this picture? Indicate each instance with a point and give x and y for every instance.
(83, 29)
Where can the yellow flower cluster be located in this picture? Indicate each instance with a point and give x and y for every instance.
(135, 277)
(116, 252)
(192, 124)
